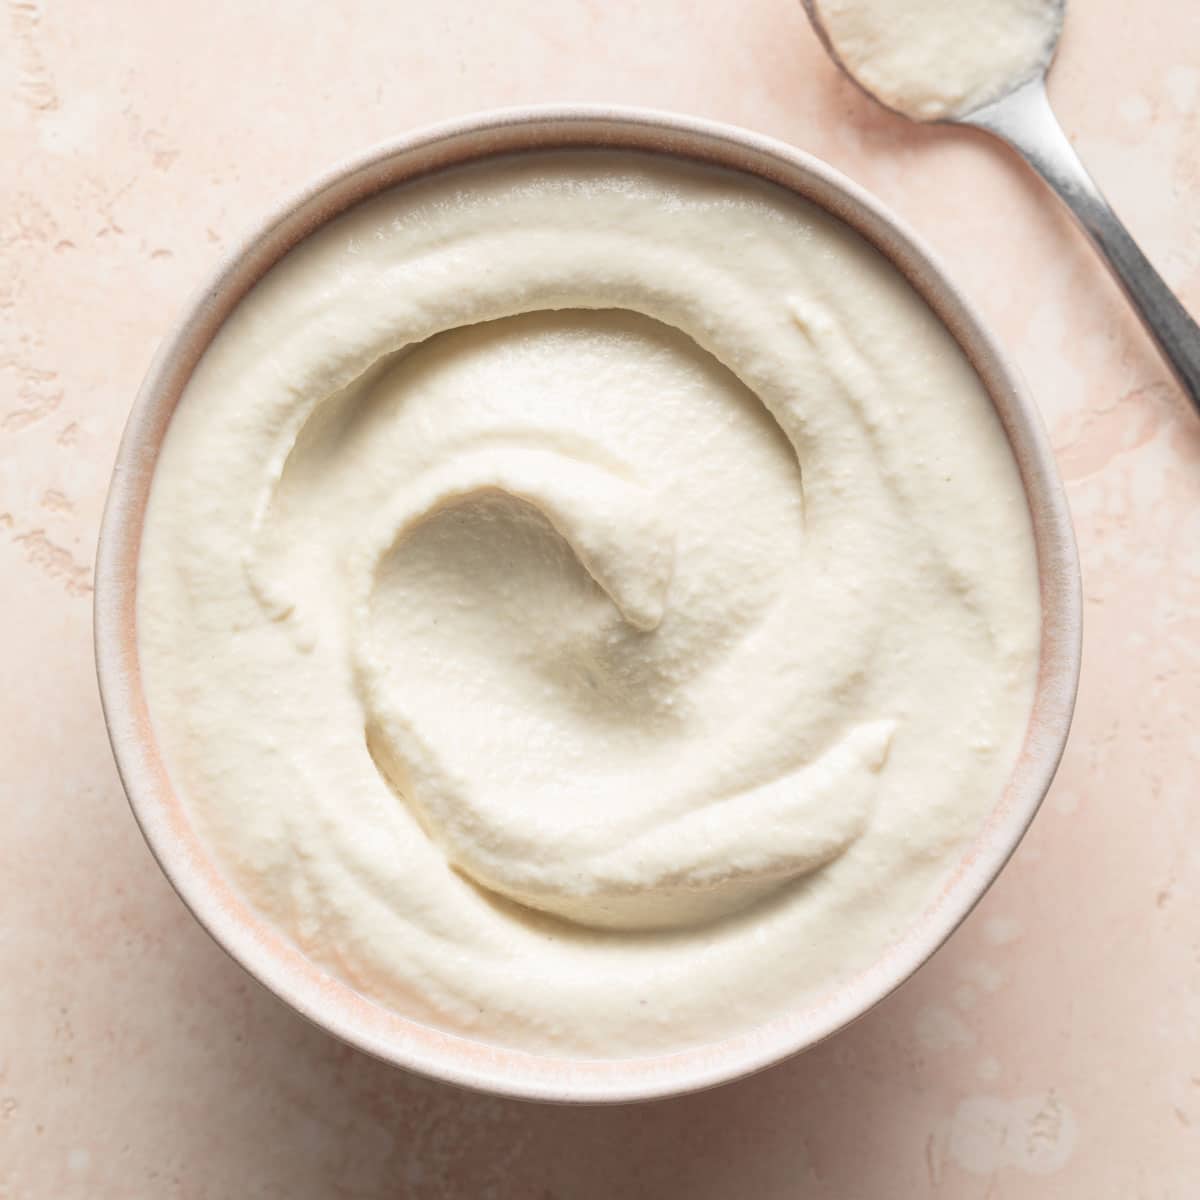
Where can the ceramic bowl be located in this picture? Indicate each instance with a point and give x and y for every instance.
(162, 812)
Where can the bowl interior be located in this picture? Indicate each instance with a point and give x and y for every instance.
(269, 956)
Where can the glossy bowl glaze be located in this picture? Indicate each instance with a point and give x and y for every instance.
(162, 813)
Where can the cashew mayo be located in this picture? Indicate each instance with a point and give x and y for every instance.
(587, 601)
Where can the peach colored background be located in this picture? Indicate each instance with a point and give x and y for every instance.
(1052, 1049)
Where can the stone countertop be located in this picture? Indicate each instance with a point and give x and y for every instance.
(1050, 1050)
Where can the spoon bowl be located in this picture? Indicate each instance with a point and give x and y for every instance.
(922, 67)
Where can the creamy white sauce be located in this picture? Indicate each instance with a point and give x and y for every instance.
(587, 601)
(941, 58)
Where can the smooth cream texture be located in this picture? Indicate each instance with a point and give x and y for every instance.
(941, 58)
(588, 601)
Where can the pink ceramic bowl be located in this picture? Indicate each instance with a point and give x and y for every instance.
(162, 812)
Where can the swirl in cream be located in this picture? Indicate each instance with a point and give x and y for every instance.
(563, 588)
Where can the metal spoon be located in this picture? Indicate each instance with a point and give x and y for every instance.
(1024, 119)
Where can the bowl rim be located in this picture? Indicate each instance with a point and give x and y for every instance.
(264, 952)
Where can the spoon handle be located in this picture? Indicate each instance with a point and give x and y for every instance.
(1026, 121)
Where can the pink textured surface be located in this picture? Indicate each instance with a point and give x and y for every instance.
(1049, 1051)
